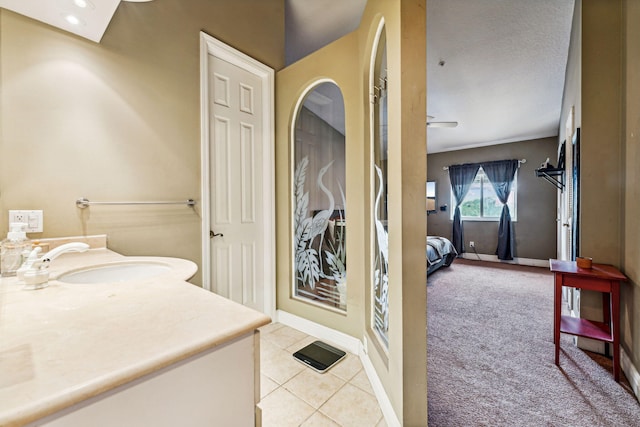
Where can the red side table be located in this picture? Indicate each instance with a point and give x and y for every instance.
(600, 278)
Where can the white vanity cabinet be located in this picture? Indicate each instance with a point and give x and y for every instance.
(218, 387)
(149, 352)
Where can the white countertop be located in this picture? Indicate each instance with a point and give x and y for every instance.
(68, 342)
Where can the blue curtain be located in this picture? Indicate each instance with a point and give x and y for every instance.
(461, 177)
(501, 175)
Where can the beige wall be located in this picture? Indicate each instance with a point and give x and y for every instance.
(631, 235)
(411, 149)
(402, 369)
(334, 62)
(607, 83)
(599, 117)
(119, 120)
(535, 228)
(600, 137)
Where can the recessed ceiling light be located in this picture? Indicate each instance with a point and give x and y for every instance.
(84, 4)
(72, 19)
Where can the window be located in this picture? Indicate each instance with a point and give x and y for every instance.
(319, 198)
(379, 194)
(481, 202)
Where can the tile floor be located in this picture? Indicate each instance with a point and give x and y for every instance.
(295, 395)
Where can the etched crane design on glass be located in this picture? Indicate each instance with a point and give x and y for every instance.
(381, 277)
(321, 219)
(381, 233)
(328, 283)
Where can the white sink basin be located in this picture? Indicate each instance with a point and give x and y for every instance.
(116, 272)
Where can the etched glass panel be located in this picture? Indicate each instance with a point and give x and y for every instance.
(380, 286)
(320, 264)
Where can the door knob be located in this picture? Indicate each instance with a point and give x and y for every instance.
(212, 234)
(566, 224)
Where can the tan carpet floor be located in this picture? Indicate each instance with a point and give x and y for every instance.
(490, 357)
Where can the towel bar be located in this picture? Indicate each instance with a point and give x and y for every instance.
(85, 203)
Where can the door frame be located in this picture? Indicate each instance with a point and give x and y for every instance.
(211, 46)
(565, 195)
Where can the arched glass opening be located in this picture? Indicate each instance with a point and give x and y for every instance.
(319, 199)
(380, 288)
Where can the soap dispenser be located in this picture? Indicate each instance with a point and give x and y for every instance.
(13, 248)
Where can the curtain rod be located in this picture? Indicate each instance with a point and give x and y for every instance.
(446, 168)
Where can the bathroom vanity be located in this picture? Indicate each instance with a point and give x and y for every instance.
(150, 351)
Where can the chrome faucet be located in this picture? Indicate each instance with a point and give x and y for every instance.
(34, 272)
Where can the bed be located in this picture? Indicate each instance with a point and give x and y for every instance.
(440, 253)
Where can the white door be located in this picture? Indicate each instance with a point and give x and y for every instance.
(240, 183)
(565, 217)
(565, 214)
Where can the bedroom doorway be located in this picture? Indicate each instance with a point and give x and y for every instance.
(238, 212)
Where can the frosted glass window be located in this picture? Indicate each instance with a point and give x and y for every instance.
(380, 315)
(319, 199)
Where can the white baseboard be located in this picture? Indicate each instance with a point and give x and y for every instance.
(390, 416)
(518, 261)
(350, 344)
(630, 371)
(337, 338)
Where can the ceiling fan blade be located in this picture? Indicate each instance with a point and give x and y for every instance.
(442, 124)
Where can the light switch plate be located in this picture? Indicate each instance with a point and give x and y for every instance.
(33, 219)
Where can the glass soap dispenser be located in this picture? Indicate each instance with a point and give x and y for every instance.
(13, 248)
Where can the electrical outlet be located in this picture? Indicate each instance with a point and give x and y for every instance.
(33, 219)
(17, 216)
(472, 244)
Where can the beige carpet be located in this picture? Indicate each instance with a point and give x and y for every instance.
(490, 355)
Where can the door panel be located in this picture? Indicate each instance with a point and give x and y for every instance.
(221, 167)
(247, 159)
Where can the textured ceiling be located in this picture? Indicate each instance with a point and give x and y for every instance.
(503, 72)
(504, 63)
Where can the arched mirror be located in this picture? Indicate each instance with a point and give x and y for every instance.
(380, 286)
(319, 199)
